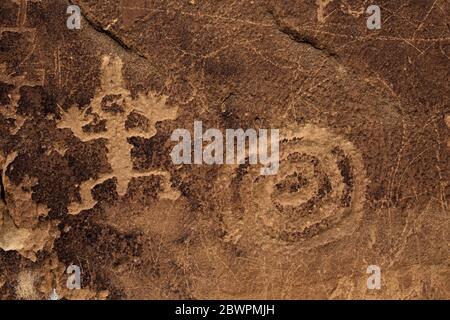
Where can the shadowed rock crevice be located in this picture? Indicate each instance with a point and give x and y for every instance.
(300, 37)
(108, 33)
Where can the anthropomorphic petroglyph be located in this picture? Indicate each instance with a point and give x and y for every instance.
(113, 108)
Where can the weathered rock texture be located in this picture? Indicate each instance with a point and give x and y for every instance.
(87, 179)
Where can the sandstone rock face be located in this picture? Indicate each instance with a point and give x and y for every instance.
(86, 118)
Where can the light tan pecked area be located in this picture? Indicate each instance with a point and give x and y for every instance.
(86, 118)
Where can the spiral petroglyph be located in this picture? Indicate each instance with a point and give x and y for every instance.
(316, 198)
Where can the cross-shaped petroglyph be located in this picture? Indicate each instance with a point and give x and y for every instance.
(115, 109)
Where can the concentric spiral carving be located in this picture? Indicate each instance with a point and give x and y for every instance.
(316, 197)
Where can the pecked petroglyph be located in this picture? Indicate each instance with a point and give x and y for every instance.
(113, 106)
(19, 227)
(316, 198)
(26, 241)
(363, 176)
(322, 5)
(16, 82)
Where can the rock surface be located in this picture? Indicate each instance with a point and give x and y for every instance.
(87, 179)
